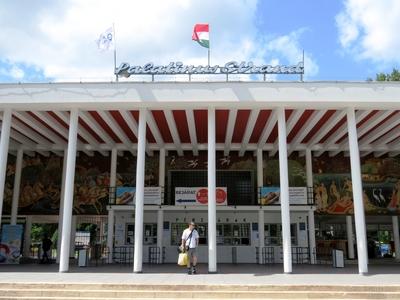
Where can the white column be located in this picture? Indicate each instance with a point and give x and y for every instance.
(69, 191)
(60, 214)
(161, 168)
(311, 220)
(260, 176)
(359, 216)
(110, 235)
(311, 235)
(395, 221)
(110, 223)
(113, 168)
(284, 189)
(350, 239)
(160, 212)
(160, 229)
(27, 236)
(4, 142)
(260, 184)
(73, 234)
(261, 234)
(309, 173)
(138, 255)
(161, 174)
(212, 207)
(17, 184)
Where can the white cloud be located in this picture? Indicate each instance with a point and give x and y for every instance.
(288, 47)
(369, 29)
(17, 72)
(12, 71)
(59, 36)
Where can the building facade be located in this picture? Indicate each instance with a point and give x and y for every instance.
(138, 159)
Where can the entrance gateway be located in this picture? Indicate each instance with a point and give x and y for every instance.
(81, 146)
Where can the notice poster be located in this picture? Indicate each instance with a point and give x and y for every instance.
(10, 245)
(271, 195)
(126, 195)
(199, 196)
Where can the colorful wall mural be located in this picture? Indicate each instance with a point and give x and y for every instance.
(230, 162)
(297, 171)
(333, 186)
(41, 180)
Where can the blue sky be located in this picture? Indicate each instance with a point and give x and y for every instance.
(343, 40)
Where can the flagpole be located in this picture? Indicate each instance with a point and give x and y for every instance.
(115, 54)
(209, 45)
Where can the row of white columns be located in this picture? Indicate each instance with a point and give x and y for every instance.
(65, 222)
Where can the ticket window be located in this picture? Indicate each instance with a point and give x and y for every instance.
(233, 234)
(273, 234)
(149, 234)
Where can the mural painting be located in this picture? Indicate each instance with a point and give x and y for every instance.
(297, 171)
(230, 162)
(333, 187)
(41, 182)
(41, 185)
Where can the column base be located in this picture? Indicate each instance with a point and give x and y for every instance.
(212, 272)
(363, 273)
(287, 272)
(138, 272)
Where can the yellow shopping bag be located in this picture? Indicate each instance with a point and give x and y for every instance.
(183, 259)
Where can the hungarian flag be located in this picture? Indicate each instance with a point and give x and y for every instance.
(201, 35)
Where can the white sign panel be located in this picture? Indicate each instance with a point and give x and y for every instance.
(199, 196)
(126, 195)
(271, 195)
(298, 195)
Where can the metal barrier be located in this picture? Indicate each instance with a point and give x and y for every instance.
(155, 255)
(300, 255)
(123, 255)
(268, 256)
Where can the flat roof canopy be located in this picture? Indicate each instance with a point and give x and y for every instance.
(177, 116)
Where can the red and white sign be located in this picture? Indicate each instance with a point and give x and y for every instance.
(199, 196)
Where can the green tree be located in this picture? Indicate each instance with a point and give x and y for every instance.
(394, 76)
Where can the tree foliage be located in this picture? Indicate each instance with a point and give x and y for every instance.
(394, 76)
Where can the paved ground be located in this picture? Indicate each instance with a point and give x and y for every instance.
(388, 274)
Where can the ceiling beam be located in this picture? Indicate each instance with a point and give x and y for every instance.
(36, 125)
(174, 131)
(133, 125)
(25, 130)
(249, 130)
(379, 153)
(59, 128)
(92, 123)
(365, 153)
(229, 130)
(367, 126)
(388, 137)
(64, 116)
(292, 121)
(341, 131)
(116, 129)
(381, 130)
(192, 130)
(310, 124)
(154, 128)
(269, 126)
(333, 120)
